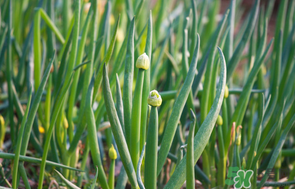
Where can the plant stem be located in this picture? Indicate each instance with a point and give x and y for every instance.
(135, 119)
(150, 172)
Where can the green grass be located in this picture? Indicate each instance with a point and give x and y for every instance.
(71, 89)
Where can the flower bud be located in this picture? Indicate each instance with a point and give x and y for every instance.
(154, 99)
(112, 153)
(65, 122)
(41, 129)
(143, 62)
(2, 130)
(226, 93)
(2, 122)
(52, 68)
(238, 141)
(278, 163)
(219, 120)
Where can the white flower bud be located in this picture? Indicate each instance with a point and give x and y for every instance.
(143, 62)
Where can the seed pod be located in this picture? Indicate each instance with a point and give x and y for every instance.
(226, 93)
(112, 153)
(238, 142)
(244, 163)
(143, 62)
(219, 120)
(154, 99)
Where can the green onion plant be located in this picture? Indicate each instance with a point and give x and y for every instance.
(157, 94)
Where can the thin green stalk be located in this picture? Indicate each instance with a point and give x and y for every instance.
(18, 144)
(146, 83)
(3, 37)
(66, 10)
(277, 150)
(68, 183)
(207, 100)
(70, 66)
(9, 76)
(185, 65)
(205, 130)
(117, 131)
(95, 178)
(128, 81)
(194, 30)
(269, 8)
(111, 181)
(159, 19)
(119, 103)
(51, 25)
(119, 61)
(122, 178)
(200, 26)
(83, 163)
(72, 96)
(3, 176)
(275, 79)
(213, 9)
(285, 152)
(209, 72)
(73, 53)
(150, 171)
(135, 119)
(105, 61)
(92, 137)
(288, 20)
(256, 134)
(138, 8)
(67, 40)
(103, 33)
(55, 112)
(221, 167)
(177, 109)
(234, 60)
(264, 142)
(37, 49)
(244, 98)
(51, 46)
(33, 110)
(287, 71)
(138, 173)
(190, 171)
(87, 77)
(22, 172)
(228, 50)
(155, 69)
(291, 175)
(36, 161)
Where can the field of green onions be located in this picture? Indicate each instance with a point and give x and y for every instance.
(147, 94)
